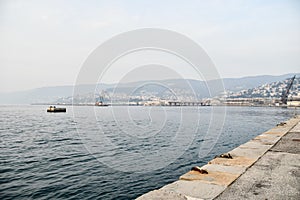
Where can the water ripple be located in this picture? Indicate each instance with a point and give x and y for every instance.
(43, 156)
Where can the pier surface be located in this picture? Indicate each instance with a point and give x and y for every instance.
(266, 167)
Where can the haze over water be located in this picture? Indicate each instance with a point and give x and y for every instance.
(43, 156)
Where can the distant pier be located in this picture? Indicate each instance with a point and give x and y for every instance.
(187, 103)
(175, 103)
(266, 167)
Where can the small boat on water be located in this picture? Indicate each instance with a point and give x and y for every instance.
(54, 109)
(100, 103)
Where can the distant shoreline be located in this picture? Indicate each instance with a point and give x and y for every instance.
(123, 104)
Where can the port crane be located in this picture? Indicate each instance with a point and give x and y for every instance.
(285, 93)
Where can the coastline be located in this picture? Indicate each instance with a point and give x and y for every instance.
(224, 173)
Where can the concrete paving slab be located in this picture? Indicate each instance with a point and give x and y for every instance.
(218, 178)
(236, 161)
(222, 168)
(275, 176)
(192, 198)
(267, 139)
(250, 152)
(280, 130)
(195, 189)
(286, 127)
(255, 144)
(289, 143)
(291, 135)
(296, 128)
(278, 134)
(162, 195)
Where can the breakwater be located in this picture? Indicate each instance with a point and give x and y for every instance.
(249, 171)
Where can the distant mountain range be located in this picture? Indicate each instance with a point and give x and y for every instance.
(52, 94)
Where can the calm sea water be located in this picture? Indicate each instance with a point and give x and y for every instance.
(59, 156)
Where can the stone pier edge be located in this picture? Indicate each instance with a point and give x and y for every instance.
(222, 172)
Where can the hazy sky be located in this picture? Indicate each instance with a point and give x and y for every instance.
(45, 42)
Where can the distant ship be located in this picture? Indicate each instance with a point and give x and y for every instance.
(100, 103)
(54, 109)
(100, 99)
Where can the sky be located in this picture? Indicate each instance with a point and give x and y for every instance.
(45, 42)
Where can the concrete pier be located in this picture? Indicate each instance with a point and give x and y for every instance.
(266, 167)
